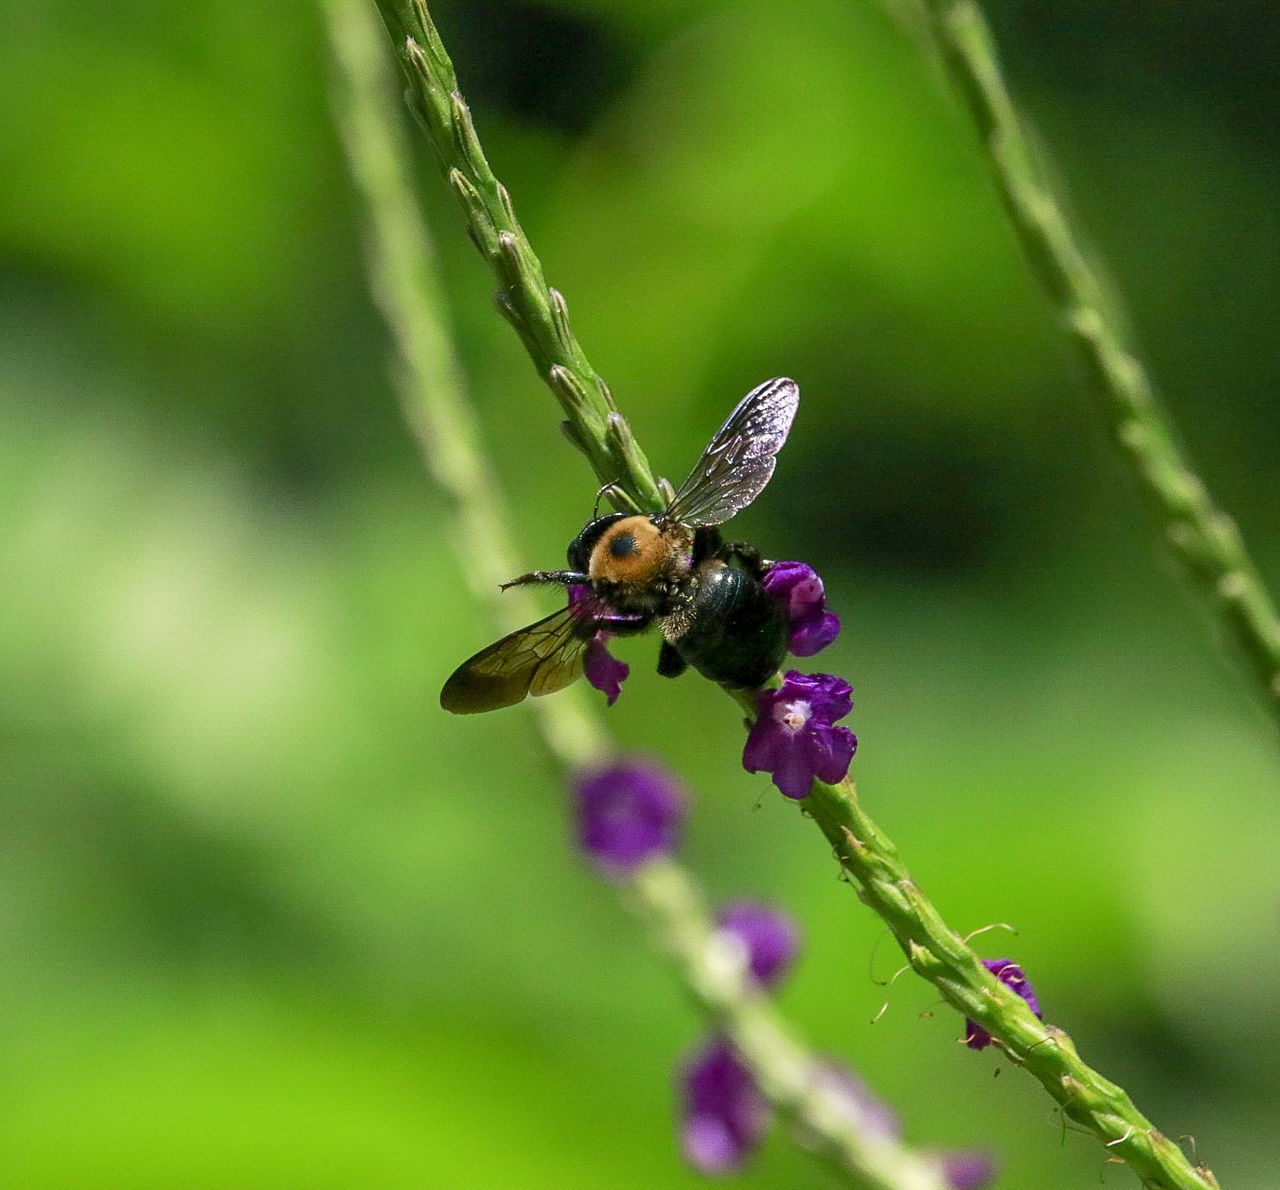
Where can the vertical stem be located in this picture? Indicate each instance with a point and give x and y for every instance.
(1204, 537)
(662, 894)
(933, 948)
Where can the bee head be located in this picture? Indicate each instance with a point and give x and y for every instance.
(631, 550)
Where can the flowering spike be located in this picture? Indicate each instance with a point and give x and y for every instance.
(769, 939)
(798, 589)
(794, 736)
(627, 814)
(723, 1114)
(1011, 975)
(842, 1090)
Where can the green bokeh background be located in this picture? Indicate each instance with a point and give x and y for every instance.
(269, 919)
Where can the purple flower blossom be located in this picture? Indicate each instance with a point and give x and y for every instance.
(769, 939)
(723, 1114)
(797, 587)
(628, 813)
(1011, 975)
(793, 736)
(601, 668)
(968, 1170)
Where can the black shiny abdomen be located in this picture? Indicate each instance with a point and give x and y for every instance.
(736, 634)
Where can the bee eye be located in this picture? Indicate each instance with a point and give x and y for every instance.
(623, 546)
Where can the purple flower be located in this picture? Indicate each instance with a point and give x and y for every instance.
(769, 939)
(627, 814)
(797, 587)
(968, 1170)
(723, 1114)
(793, 737)
(602, 669)
(1011, 975)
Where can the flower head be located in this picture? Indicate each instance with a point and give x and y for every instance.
(601, 668)
(723, 1114)
(793, 736)
(769, 939)
(1011, 975)
(968, 1170)
(798, 588)
(628, 813)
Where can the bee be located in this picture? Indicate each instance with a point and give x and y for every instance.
(630, 570)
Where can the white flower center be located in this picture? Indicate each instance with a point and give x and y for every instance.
(794, 715)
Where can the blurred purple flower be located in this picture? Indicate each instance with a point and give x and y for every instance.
(627, 814)
(793, 736)
(723, 1114)
(769, 938)
(1011, 975)
(968, 1170)
(601, 668)
(797, 587)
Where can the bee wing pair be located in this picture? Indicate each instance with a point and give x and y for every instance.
(549, 655)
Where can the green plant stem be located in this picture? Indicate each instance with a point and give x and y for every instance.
(933, 949)
(946, 960)
(662, 894)
(864, 851)
(536, 310)
(1204, 537)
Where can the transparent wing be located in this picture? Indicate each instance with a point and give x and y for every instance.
(539, 659)
(740, 459)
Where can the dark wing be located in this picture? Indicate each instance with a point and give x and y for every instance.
(740, 458)
(540, 659)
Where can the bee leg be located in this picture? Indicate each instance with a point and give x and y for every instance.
(670, 663)
(566, 578)
(749, 556)
(706, 544)
(617, 497)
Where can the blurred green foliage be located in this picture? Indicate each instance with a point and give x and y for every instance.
(269, 920)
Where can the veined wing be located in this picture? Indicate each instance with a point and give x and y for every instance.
(539, 659)
(739, 460)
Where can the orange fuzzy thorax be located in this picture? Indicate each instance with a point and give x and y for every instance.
(632, 551)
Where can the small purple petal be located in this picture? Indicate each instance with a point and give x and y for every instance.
(968, 1170)
(815, 635)
(770, 938)
(793, 736)
(723, 1114)
(793, 775)
(1011, 975)
(603, 670)
(797, 587)
(626, 814)
(829, 751)
(764, 747)
(831, 697)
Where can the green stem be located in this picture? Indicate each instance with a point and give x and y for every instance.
(934, 950)
(536, 310)
(662, 894)
(1204, 537)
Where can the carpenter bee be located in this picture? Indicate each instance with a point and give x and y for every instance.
(672, 567)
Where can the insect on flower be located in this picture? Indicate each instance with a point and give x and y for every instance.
(672, 568)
